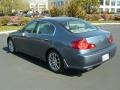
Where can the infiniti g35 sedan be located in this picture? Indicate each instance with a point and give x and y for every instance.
(64, 43)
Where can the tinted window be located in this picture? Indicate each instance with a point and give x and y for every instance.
(118, 2)
(112, 2)
(45, 28)
(101, 2)
(107, 2)
(30, 28)
(78, 26)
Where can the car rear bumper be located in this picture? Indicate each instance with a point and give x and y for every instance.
(90, 60)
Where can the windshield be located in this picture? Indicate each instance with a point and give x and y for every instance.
(78, 26)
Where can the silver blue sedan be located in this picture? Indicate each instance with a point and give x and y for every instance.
(64, 42)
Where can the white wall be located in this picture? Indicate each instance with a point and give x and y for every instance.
(104, 6)
(39, 5)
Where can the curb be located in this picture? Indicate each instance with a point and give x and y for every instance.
(7, 32)
(105, 23)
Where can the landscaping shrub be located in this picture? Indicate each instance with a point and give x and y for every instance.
(4, 20)
(93, 17)
(37, 17)
(98, 17)
(117, 17)
(23, 20)
(107, 16)
(88, 17)
(14, 20)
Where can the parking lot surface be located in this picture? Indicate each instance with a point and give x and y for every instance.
(22, 72)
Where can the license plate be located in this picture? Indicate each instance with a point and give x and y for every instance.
(105, 57)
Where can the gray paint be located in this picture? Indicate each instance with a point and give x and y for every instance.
(37, 45)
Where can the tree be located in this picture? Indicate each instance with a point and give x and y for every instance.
(76, 8)
(6, 6)
(55, 11)
(90, 6)
(21, 5)
(73, 9)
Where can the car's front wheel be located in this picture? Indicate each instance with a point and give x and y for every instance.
(55, 62)
(11, 46)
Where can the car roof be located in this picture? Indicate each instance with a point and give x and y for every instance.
(58, 19)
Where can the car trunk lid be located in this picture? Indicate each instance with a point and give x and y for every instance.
(98, 38)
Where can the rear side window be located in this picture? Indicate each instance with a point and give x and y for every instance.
(45, 28)
(78, 26)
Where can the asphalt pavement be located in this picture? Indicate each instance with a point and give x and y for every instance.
(22, 72)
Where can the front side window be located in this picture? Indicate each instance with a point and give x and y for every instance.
(30, 27)
(45, 28)
(78, 26)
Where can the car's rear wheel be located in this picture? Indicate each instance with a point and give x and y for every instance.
(55, 62)
(11, 46)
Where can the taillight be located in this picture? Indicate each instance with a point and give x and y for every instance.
(82, 44)
(110, 39)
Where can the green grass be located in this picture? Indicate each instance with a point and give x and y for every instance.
(9, 28)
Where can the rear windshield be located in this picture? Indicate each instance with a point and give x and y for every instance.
(78, 26)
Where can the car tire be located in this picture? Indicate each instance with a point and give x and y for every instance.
(11, 46)
(55, 62)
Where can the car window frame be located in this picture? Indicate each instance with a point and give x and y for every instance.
(49, 23)
(96, 28)
(23, 30)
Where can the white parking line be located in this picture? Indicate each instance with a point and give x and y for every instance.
(7, 32)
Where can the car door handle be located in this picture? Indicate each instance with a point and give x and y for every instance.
(46, 39)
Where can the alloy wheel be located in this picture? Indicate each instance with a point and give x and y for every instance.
(11, 46)
(55, 61)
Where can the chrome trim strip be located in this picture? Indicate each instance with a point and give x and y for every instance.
(66, 63)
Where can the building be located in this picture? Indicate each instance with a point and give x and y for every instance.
(56, 3)
(110, 6)
(105, 5)
(38, 5)
(43, 5)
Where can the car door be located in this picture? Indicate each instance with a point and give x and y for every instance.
(41, 39)
(22, 40)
